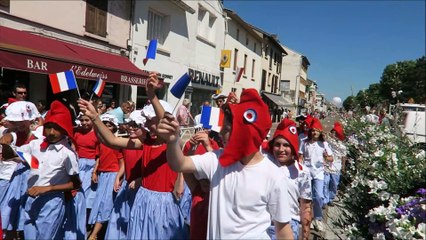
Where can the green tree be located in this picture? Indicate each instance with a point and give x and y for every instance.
(415, 82)
(395, 77)
(349, 103)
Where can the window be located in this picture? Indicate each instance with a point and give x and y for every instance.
(254, 47)
(206, 24)
(5, 3)
(235, 59)
(270, 58)
(247, 41)
(269, 79)
(96, 17)
(155, 26)
(245, 63)
(285, 85)
(253, 65)
(238, 34)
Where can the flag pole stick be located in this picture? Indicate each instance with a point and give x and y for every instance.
(91, 96)
(176, 105)
(75, 79)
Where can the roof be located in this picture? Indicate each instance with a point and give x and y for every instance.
(244, 24)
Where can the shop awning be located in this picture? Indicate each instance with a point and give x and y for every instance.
(24, 51)
(278, 100)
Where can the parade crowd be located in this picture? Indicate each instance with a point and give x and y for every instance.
(127, 174)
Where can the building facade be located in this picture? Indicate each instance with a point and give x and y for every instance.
(38, 38)
(245, 46)
(295, 71)
(190, 38)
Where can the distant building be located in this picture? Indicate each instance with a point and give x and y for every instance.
(295, 70)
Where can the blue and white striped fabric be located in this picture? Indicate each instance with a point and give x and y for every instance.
(119, 221)
(104, 201)
(86, 167)
(44, 216)
(156, 215)
(74, 226)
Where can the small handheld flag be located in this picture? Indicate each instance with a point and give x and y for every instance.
(180, 86)
(238, 74)
(99, 87)
(31, 160)
(212, 118)
(62, 81)
(151, 51)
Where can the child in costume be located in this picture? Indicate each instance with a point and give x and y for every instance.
(334, 168)
(313, 153)
(54, 173)
(156, 214)
(106, 168)
(126, 181)
(87, 145)
(20, 116)
(283, 151)
(247, 191)
(200, 143)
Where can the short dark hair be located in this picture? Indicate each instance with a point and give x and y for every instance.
(19, 85)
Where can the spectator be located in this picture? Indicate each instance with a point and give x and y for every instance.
(112, 105)
(20, 92)
(120, 112)
(183, 114)
(41, 107)
(219, 99)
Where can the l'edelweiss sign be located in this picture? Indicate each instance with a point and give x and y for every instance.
(43, 65)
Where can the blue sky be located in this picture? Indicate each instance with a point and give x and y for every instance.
(348, 43)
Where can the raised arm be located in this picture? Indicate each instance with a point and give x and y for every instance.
(168, 129)
(151, 86)
(104, 134)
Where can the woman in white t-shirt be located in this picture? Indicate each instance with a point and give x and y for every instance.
(283, 151)
(313, 153)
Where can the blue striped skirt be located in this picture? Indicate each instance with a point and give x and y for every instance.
(44, 216)
(74, 226)
(104, 201)
(156, 215)
(119, 221)
(13, 202)
(86, 167)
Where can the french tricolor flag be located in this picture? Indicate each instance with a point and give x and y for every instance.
(212, 118)
(238, 74)
(62, 81)
(99, 87)
(31, 160)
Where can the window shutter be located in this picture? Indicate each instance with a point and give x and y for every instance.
(90, 18)
(101, 23)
